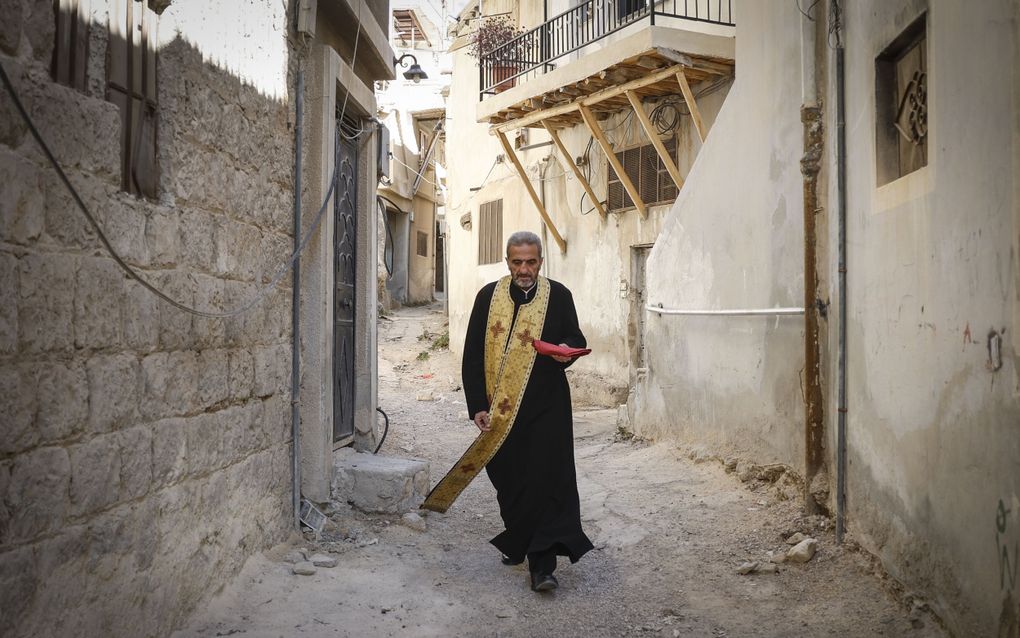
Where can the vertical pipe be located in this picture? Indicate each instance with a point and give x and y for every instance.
(841, 187)
(295, 355)
(811, 117)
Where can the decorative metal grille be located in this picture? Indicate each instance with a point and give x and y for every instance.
(345, 209)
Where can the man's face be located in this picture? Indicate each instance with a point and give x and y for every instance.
(524, 264)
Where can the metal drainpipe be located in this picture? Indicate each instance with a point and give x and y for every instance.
(841, 188)
(295, 353)
(811, 117)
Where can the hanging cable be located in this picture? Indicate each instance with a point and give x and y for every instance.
(284, 269)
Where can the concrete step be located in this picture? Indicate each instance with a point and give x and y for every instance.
(383, 484)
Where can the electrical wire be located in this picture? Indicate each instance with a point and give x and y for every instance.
(416, 171)
(120, 261)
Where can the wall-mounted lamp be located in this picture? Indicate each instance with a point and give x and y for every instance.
(415, 73)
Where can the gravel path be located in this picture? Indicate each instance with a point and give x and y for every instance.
(670, 534)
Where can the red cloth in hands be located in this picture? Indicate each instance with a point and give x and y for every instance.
(560, 351)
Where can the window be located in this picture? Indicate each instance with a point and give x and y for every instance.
(626, 8)
(649, 175)
(901, 102)
(131, 85)
(490, 232)
(423, 244)
(71, 45)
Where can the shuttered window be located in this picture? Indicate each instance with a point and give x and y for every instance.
(71, 45)
(490, 232)
(131, 85)
(645, 169)
(423, 244)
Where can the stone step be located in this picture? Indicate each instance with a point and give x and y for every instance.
(383, 484)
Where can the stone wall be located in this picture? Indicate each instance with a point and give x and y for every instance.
(144, 452)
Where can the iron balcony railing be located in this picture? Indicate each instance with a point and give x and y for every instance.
(585, 24)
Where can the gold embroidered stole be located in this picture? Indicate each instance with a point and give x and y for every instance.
(508, 365)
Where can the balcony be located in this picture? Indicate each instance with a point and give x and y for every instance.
(538, 50)
(599, 46)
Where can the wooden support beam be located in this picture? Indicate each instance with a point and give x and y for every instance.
(509, 150)
(607, 148)
(573, 167)
(692, 106)
(653, 135)
(591, 100)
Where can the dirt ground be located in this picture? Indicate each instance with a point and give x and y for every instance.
(670, 534)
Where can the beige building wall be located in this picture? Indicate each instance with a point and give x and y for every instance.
(933, 422)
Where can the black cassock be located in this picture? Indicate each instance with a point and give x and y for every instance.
(533, 472)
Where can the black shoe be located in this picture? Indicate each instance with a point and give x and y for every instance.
(506, 560)
(543, 582)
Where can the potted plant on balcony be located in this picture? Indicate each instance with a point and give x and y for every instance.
(502, 62)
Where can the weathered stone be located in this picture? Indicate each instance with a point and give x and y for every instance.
(37, 493)
(141, 317)
(66, 408)
(17, 409)
(169, 452)
(210, 296)
(213, 369)
(205, 442)
(46, 305)
(95, 474)
(276, 419)
(322, 560)
(18, 583)
(8, 304)
(12, 126)
(61, 562)
(174, 324)
(65, 223)
(414, 521)
(135, 461)
(747, 567)
(767, 568)
(123, 220)
(239, 249)
(10, 28)
(378, 483)
(113, 390)
(241, 430)
(240, 374)
(199, 237)
(795, 538)
(98, 302)
(163, 237)
(272, 370)
(21, 199)
(171, 384)
(40, 28)
(304, 568)
(803, 551)
(294, 556)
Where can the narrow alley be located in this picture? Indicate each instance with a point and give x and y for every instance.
(670, 532)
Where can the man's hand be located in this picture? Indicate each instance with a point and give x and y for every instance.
(482, 421)
(562, 359)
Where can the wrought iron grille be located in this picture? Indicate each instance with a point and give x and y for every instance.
(585, 24)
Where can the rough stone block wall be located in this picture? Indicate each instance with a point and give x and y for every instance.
(144, 452)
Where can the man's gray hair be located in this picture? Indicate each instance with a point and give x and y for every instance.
(523, 237)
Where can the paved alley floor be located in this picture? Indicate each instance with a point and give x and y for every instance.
(670, 535)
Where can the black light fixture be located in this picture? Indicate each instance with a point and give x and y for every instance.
(415, 73)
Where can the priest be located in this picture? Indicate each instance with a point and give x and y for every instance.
(533, 469)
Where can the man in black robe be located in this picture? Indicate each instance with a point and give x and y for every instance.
(533, 471)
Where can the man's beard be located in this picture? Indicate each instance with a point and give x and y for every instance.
(519, 282)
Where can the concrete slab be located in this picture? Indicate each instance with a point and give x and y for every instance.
(382, 484)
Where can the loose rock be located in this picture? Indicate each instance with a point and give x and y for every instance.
(795, 538)
(803, 551)
(747, 567)
(425, 396)
(414, 521)
(294, 556)
(304, 568)
(323, 560)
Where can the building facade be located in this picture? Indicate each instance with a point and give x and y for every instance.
(148, 451)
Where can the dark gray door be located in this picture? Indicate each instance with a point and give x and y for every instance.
(345, 215)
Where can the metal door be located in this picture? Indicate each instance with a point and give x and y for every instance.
(345, 217)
